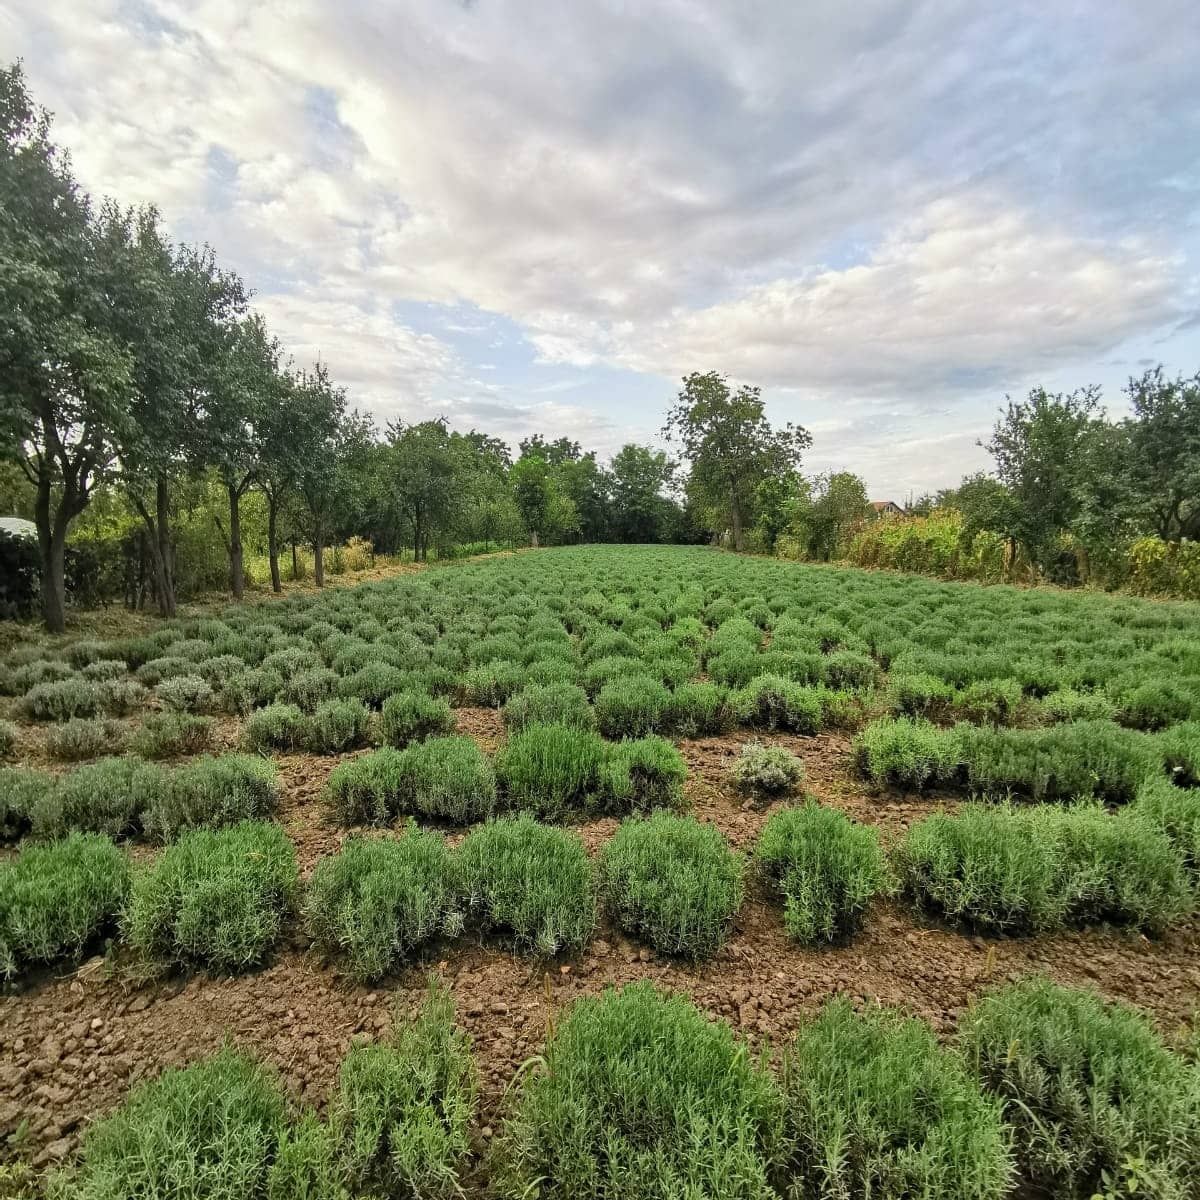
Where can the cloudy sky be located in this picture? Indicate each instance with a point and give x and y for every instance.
(538, 215)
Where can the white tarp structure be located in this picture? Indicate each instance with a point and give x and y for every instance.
(18, 527)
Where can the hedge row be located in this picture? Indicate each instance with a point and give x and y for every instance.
(1046, 1089)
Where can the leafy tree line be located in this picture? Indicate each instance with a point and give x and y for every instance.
(142, 398)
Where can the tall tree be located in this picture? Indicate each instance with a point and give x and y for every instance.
(334, 479)
(244, 382)
(639, 476)
(730, 445)
(588, 486)
(65, 374)
(1164, 453)
(829, 508)
(292, 429)
(428, 469)
(1038, 446)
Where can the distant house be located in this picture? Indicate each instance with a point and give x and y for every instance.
(887, 508)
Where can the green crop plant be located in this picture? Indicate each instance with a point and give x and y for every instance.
(672, 881)
(413, 716)
(761, 770)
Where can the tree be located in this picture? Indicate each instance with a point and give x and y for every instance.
(588, 486)
(1163, 466)
(333, 481)
(730, 445)
(290, 432)
(1037, 445)
(829, 509)
(66, 377)
(428, 468)
(545, 511)
(554, 453)
(984, 503)
(243, 381)
(639, 475)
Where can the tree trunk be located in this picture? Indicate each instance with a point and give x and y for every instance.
(52, 542)
(165, 555)
(319, 557)
(735, 516)
(237, 577)
(295, 563)
(533, 539)
(273, 544)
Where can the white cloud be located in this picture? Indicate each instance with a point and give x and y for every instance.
(884, 213)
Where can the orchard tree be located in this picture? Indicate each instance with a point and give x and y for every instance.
(730, 445)
(67, 377)
(244, 382)
(335, 479)
(289, 433)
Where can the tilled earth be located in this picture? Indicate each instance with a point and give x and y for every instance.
(72, 1044)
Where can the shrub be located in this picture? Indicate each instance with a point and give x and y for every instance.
(250, 690)
(306, 1164)
(531, 882)
(373, 684)
(61, 699)
(766, 770)
(366, 790)
(874, 1107)
(413, 716)
(27, 675)
(1095, 1099)
(826, 868)
(8, 738)
(919, 695)
(218, 670)
(169, 735)
(631, 706)
(1027, 870)
(212, 792)
(990, 701)
(403, 1108)
(550, 769)
(448, 778)
(105, 669)
(697, 710)
(551, 703)
(206, 1130)
(1067, 704)
(1180, 750)
(214, 897)
(772, 702)
(1064, 762)
(22, 792)
(337, 726)
(907, 752)
(1176, 811)
(849, 669)
(491, 684)
(672, 881)
(154, 672)
(642, 774)
(108, 796)
(185, 693)
(307, 689)
(379, 900)
(84, 737)
(1157, 703)
(120, 696)
(604, 670)
(56, 900)
(641, 1097)
(276, 727)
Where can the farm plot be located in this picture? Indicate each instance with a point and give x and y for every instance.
(870, 825)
